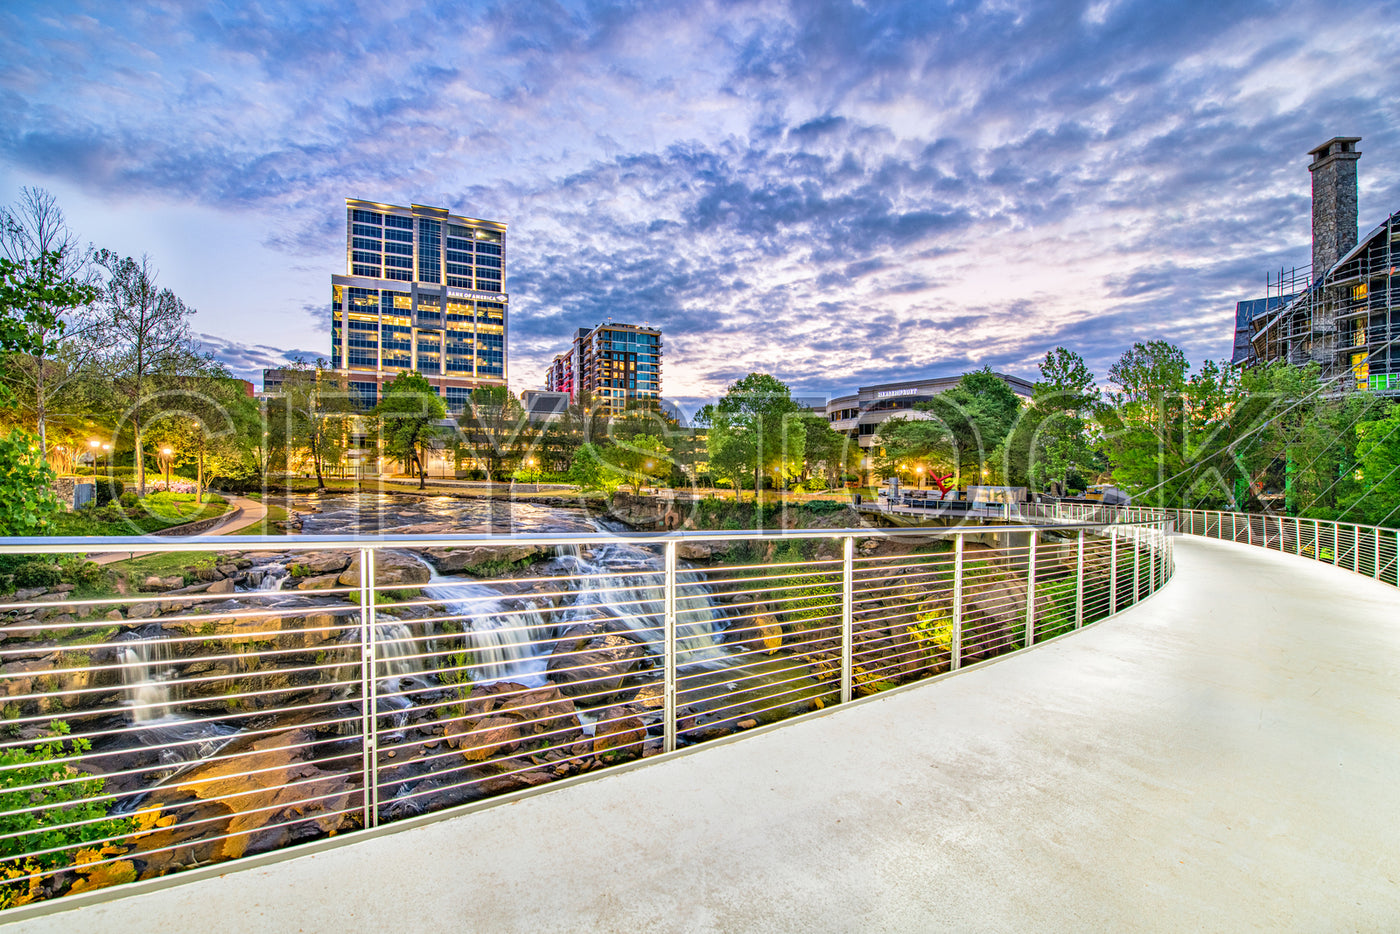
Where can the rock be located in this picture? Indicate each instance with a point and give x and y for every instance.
(390, 569)
(456, 560)
(221, 586)
(103, 875)
(591, 663)
(323, 582)
(619, 734)
(323, 562)
(142, 611)
(63, 588)
(489, 736)
(761, 633)
(652, 694)
(114, 615)
(163, 583)
(746, 724)
(29, 593)
(227, 570)
(695, 551)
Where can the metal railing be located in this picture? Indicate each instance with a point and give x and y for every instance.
(1369, 550)
(257, 693)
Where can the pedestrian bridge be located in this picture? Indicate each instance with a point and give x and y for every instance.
(1222, 756)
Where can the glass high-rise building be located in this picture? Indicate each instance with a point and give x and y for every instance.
(423, 290)
(611, 366)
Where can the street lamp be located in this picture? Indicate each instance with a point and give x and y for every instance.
(166, 452)
(199, 479)
(919, 484)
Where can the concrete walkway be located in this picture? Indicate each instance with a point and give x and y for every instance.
(1224, 757)
(242, 513)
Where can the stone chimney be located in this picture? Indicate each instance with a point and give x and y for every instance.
(1333, 201)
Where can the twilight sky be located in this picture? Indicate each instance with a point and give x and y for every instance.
(839, 193)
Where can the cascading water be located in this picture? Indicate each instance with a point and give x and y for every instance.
(506, 644)
(273, 577)
(148, 677)
(622, 582)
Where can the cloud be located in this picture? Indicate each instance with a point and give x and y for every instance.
(838, 193)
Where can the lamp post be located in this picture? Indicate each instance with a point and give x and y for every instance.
(919, 483)
(165, 455)
(199, 480)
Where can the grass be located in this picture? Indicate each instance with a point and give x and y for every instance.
(271, 525)
(127, 576)
(153, 513)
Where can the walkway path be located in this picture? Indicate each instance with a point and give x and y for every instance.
(1223, 757)
(242, 513)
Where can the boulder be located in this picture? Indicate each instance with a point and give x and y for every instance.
(761, 633)
(390, 569)
(590, 663)
(456, 560)
(220, 586)
(323, 562)
(154, 583)
(619, 734)
(487, 737)
(323, 582)
(142, 611)
(695, 551)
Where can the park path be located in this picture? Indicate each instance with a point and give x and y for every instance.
(243, 513)
(1220, 757)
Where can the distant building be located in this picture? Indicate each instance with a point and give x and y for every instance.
(858, 416)
(423, 290)
(273, 380)
(1345, 315)
(1246, 312)
(544, 405)
(611, 366)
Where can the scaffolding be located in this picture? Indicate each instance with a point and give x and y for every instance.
(1346, 321)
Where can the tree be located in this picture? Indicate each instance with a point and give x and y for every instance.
(208, 421)
(1377, 500)
(905, 443)
(1052, 440)
(27, 498)
(408, 413)
(148, 330)
(316, 406)
(826, 452)
(754, 431)
(495, 429)
(62, 327)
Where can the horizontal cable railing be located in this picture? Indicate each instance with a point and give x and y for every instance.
(1369, 550)
(224, 697)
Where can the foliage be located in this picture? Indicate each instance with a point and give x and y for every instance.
(44, 818)
(754, 431)
(149, 331)
(408, 412)
(1376, 500)
(827, 454)
(495, 429)
(312, 414)
(1054, 441)
(590, 470)
(27, 500)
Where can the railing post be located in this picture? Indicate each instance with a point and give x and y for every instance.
(848, 576)
(669, 651)
(1233, 525)
(369, 695)
(1030, 592)
(1249, 529)
(1336, 545)
(1317, 540)
(1356, 549)
(1137, 563)
(1376, 543)
(1112, 570)
(956, 661)
(1152, 562)
(1079, 583)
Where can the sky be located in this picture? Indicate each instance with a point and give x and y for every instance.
(837, 193)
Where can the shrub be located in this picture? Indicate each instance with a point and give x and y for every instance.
(27, 498)
(79, 571)
(53, 816)
(37, 573)
(108, 490)
(128, 500)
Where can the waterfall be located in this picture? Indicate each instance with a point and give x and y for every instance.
(506, 644)
(272, 578)
(622, 582)
(395, 648)
(148, 676)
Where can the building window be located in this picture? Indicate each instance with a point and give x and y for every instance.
(366, 217)
(429, 250)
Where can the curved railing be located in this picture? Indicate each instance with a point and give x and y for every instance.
(1369, 550)
(226, 710)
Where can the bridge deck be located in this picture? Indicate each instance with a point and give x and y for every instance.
(1223, 757)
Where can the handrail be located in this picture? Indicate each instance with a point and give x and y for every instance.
(240, 714)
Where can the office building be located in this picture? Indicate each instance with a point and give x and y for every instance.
(611, 367)
(1343, 312)
(423, 290)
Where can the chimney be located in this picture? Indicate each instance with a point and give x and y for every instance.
(1333, 201)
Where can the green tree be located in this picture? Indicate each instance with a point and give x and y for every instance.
(148, 329)
(27, 498)
(316, 404)
(495, 429)
(905, 443)
(826, 452)
(408, 413)
(1053, 440)
(1376, 500)
(64, 340)
(754, 430)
